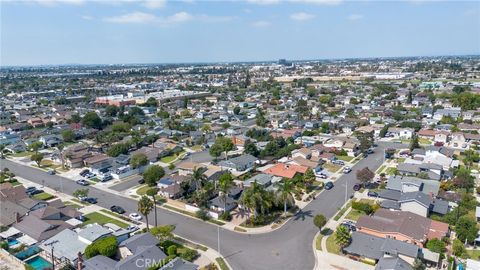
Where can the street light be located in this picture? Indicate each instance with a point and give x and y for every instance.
(53, 257)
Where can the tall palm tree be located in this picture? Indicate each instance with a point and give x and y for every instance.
(152, 193)
(60, 148)
(256, 199)
(225, 183)
(197, 178)
(2, 147)
(284, 194)
(145, 206)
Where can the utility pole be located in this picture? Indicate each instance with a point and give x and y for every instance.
(53, 257)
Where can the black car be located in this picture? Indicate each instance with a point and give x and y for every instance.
(84, 172)
(372, 194)
(91, 200)
(357, 187)
(35, 192)
(30, 189)
(328, 185)
(370, 151)
(141, 181)
(117, 209)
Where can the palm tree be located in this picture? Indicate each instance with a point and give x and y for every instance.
(153, 192)
(2, 147)
(342, 236)
(60, 148)
(197, 178)
(145, 206)
(256, 199)
(225, 183)
(284, 194)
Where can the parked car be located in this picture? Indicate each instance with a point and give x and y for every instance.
(90, 175)
(82, 182)
(357, 187)
(135, 216)
(105, 177)
(372, 194)
(84, 172)
(141, 181)
(347, 169)
(133, 228)
(35, 192)
(91, 200)
(51, 172)
(117, 209)
(328, 185)
(338, 162)
(30, 189)
(370, 151)
(349, 225)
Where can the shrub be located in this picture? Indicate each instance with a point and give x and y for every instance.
(226, 216)
(202, 214)
(172, 250)
(106, 246)
(189, 255)
(4, 245)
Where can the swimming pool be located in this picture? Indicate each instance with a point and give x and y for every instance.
(29, 252)
(39, 263)
(12, 242)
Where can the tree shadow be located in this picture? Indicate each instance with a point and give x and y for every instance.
(303, 214)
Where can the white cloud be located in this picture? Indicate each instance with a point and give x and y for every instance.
(261, 24)
(134, 17)
(58, 2)
(264, 2)
(301, 16)
(154, 4)
(319, 2)
(177, 18)
(355, 17)
(87, 17)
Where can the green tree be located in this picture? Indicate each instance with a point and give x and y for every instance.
(92, 120)
(319, 221)
(82, 192)
(418, 265)
(458, 248)
(284, 194)
(138, 160)
(342, 236)
(111, 110)
(163, 233)
(236, 110)
(152, 192)
(250, 148)
(436, 245)
(106, 246)
(117, 149)
(2, 148)
(215, 150)
(145, 206)
(198, 177)
(68, 135)
(256, 199)
(37, 157)
(414, 142)
(471, 156)
(152, 174)
(309, 177)
(225, 183)
(466, 229)
(35, 146)
(463, 178)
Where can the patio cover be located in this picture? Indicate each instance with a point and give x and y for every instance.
(8, 233)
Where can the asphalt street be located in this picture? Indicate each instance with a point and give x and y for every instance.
(289, 247)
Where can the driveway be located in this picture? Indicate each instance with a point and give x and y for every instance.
(289, 247)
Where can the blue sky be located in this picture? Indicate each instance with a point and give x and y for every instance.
(128, 31)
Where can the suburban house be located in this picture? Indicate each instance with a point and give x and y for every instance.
(240, 163)
(411, 184)
(286, 170)
(403, 226)
(15, 204)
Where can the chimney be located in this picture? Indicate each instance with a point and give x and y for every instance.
(79, 261)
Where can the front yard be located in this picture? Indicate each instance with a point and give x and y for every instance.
(333, 168)
(44, 196)
(102, 219)
(171, 158)
(474, 254)
(332, 246)
(345, 158)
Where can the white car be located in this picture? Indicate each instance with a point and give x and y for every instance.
(135, 216)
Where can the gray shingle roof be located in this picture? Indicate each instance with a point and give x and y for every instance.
(417, 196)
(138, 240)
(179, 264)
(427, 186)
(392, 263)
(375, 247)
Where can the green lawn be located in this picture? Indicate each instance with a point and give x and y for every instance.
(424, 141)
(318, 242)
(72, 204)
(354, 215)
(342, 211)
(332, 247)
(43, 196)
(381, 169)
(474, 254)
(171, 158)
(23, 154)
(141, 191)
(400, 160)
(102, 219)
(331, 167)
(345, 158)
(221, 262)
(390, 171)
(196, 148)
